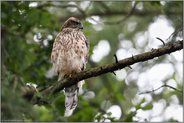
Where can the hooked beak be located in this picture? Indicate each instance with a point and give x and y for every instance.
(81, 26)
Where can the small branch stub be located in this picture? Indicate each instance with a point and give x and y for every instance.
(114, 73)
(133, 57)
(161, 40)
(116, 59)
(129, 66)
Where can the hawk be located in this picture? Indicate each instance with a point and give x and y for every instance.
(69, 56)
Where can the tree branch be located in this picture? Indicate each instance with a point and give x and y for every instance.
(168, 48)
(126, 17)
(58, 86)
(82, 13)
(120, 13)
(165, 85)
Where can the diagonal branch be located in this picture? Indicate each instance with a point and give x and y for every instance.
(82, 13)
(120, 13)
(168, 48)
(165, 85)
(58, 86)
(126, 17)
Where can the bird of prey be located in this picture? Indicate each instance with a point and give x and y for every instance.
(69, 56)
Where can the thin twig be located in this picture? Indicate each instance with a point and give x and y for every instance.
(114, 73)
(124, 18)
(174, 88)
(161, 40)
(129, 67)
(165, 85)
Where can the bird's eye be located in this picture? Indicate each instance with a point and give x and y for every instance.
(78, 23)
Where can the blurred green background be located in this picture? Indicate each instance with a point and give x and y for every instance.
(28, 30)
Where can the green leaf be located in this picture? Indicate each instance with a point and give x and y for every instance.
(109, 114)
(138, 106)
(129, 117)
(147, 107)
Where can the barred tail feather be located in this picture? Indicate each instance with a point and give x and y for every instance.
(71, 98)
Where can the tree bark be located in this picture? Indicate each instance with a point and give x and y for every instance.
(117, 65)
(167, 49)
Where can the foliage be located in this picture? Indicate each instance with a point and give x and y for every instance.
(28, 30)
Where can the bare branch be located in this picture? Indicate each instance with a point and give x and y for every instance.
(120, 13)
(58, 86)
(83, 15)
(165, 85)
(124, 18)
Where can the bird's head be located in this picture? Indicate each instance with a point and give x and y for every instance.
(72, 22)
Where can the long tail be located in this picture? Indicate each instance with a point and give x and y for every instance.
(71, 98)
